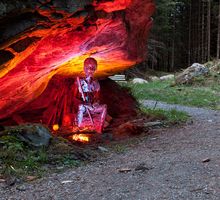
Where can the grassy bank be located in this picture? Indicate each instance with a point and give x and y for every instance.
(204, 93)
(22, 161)
(169, 117)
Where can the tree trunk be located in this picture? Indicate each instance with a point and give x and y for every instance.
(199, 31)
(209, 28)
(190, 29)
(203, 33)
(218, 40)
(173, 47)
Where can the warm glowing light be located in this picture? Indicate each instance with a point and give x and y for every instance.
(117, 40)
(56, 127)
(80, 138)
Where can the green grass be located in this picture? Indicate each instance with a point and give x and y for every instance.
(198, 95)
(168, 116)
(15, 158)
(18, 159)
(119, 148)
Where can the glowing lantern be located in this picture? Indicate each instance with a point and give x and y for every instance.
(56, 127)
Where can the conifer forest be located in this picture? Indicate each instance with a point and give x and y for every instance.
(184, 32)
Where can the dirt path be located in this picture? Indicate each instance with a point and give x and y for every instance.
(174, 164)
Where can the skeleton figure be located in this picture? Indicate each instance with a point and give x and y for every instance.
(90, 110)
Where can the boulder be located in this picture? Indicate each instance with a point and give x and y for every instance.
(154, 78)
(214, 66)
(44, 38)
(189, 74)
(35, 135)
(167, 77)
(139, 81)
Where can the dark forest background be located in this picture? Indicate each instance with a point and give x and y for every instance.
(184, 32)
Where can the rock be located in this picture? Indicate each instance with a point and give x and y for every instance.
(72, 29)
(153, 138)
(35, 135)
(60, 167)
(139, 81)
(67, 181)
(214, 66)
(188, 75)
(31, 178)
(167, 77)
(153, 124)
(124, 170)
(11, 181)
(21, 188)
(206, 160)
(154, 78)
(215, 69)
(102, 149)
(142, 167)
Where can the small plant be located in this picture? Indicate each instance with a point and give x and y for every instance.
(119, 148)
(69, 161)
(20, 160)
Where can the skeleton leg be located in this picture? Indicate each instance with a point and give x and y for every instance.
(81, 112)
(102, 119)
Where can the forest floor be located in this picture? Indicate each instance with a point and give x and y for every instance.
(179, 162)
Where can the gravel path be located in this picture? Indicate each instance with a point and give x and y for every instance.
(197, 113)
(174, 164)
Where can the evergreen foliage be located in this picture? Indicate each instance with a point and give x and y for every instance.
(184, 32)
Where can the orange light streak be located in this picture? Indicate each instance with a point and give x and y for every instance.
(81, 138)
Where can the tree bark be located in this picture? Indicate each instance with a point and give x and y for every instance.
(218, 40)
(209, 28)
(203, 33)
(199, 31)
(190, 29)
(173, 47)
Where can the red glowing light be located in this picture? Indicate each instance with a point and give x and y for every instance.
(117, 41)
